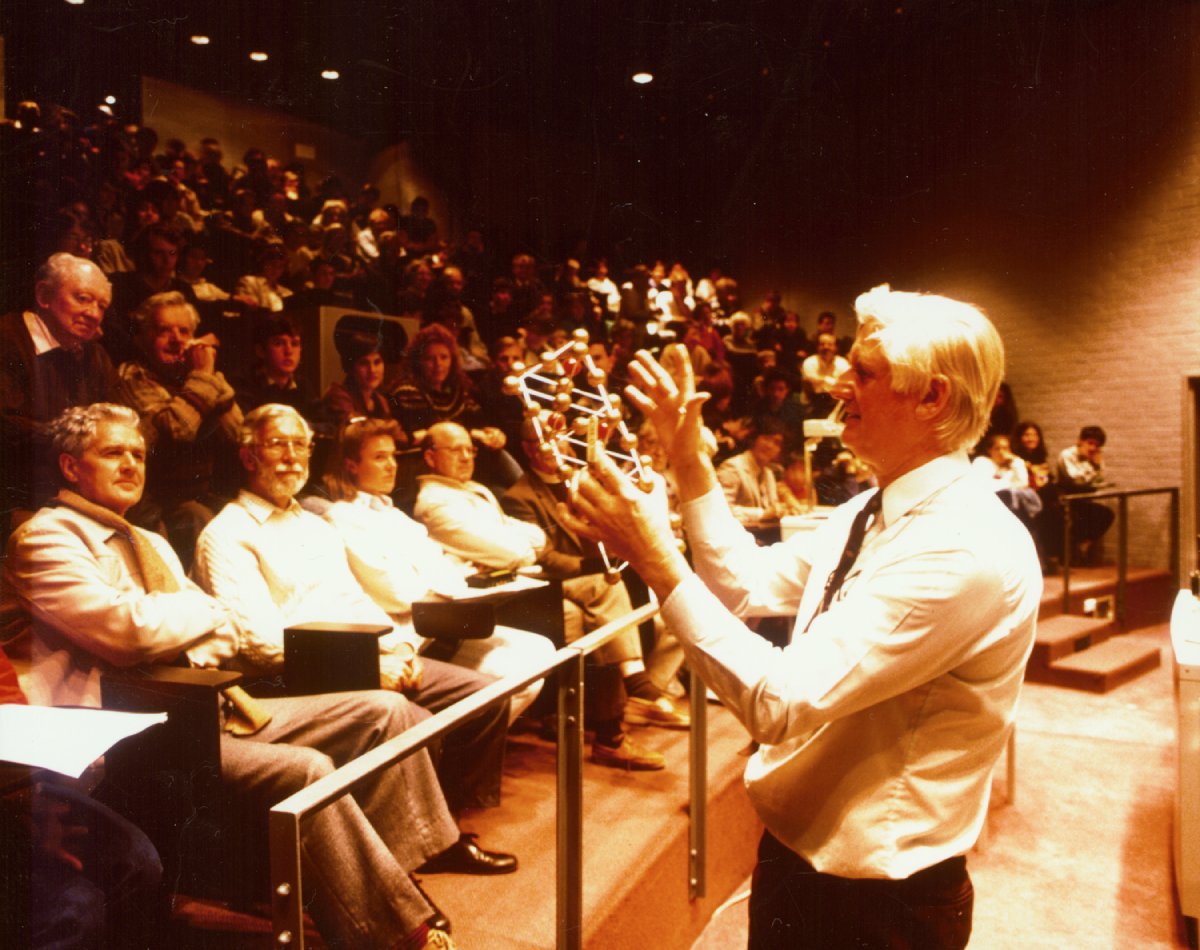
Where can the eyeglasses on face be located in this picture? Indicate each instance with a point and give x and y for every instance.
(467, 451)
(299, 447)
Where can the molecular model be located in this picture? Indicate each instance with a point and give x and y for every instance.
(586, 417)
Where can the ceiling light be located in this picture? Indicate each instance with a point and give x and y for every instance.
(75, 3)
(642, 78)
(259, 57)
(200, 40)
(329, 74)
(111, 100)
(105, 109)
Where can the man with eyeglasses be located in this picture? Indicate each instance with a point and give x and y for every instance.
(462, 515)
(273, 565)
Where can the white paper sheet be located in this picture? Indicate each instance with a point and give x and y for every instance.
(65, 740)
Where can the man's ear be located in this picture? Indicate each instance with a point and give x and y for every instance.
(249, 459)
(69, 465)
(936, 398)
(43, 294)
(429, 455)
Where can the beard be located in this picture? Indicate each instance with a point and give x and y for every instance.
(283, 478)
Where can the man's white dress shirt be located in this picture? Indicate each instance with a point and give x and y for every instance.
(880, 725)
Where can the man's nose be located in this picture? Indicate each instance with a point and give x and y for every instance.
(842, 387)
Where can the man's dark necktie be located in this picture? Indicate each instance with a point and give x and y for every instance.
(854, 543)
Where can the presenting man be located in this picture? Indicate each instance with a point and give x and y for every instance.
(881, 721)
(88, 593)
(272, 565)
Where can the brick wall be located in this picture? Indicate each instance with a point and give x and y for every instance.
(1077, 230)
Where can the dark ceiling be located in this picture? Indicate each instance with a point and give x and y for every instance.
(850, 106)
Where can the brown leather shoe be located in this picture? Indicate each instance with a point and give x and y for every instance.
(655, 712)
(628, 755)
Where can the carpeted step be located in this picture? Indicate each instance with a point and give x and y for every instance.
(1101, 668)
(1063, 635)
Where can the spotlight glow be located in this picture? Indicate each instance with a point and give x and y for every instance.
(111, 100)
(200, 40)
(329, 74)
(642, 78)
(259, 57)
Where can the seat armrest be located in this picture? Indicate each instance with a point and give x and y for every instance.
(455, 620)
(331, 657)
(188, 742)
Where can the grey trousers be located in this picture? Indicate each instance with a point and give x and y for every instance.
(471, 761)
(356, 853)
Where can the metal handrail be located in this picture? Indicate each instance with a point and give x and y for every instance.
(1122, 495)
(287, 900)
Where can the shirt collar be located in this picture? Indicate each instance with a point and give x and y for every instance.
(374, 502)
(449, 482)
(261, 510)
(909, 490)
(43, 339)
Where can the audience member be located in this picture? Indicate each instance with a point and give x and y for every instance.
(437, 390)
(264, 287)
(748, 479)
(421, 229)
(603, 288)
(793, 490)
(527, 289)
(272, 565)
(358, 394)
(155, 252)
(187, 411)
(50, 360)
(827, 323)
(778, 403)
(1007, 476)
(396, 563)
(278, 348)
(821, 372)
(1081, 469)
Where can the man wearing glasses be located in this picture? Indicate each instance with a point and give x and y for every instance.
(272, 565)
(462, 515)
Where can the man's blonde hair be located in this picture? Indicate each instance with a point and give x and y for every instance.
(923, 336)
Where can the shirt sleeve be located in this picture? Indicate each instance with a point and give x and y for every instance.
(901, 627)
(751, 581)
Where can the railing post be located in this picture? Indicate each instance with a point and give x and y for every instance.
(1066, 600)
(569, 890)
(1122, 555)
(287, 899)
(698, 788)
(1175, 532)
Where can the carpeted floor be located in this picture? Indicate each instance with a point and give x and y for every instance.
(1082, 858)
